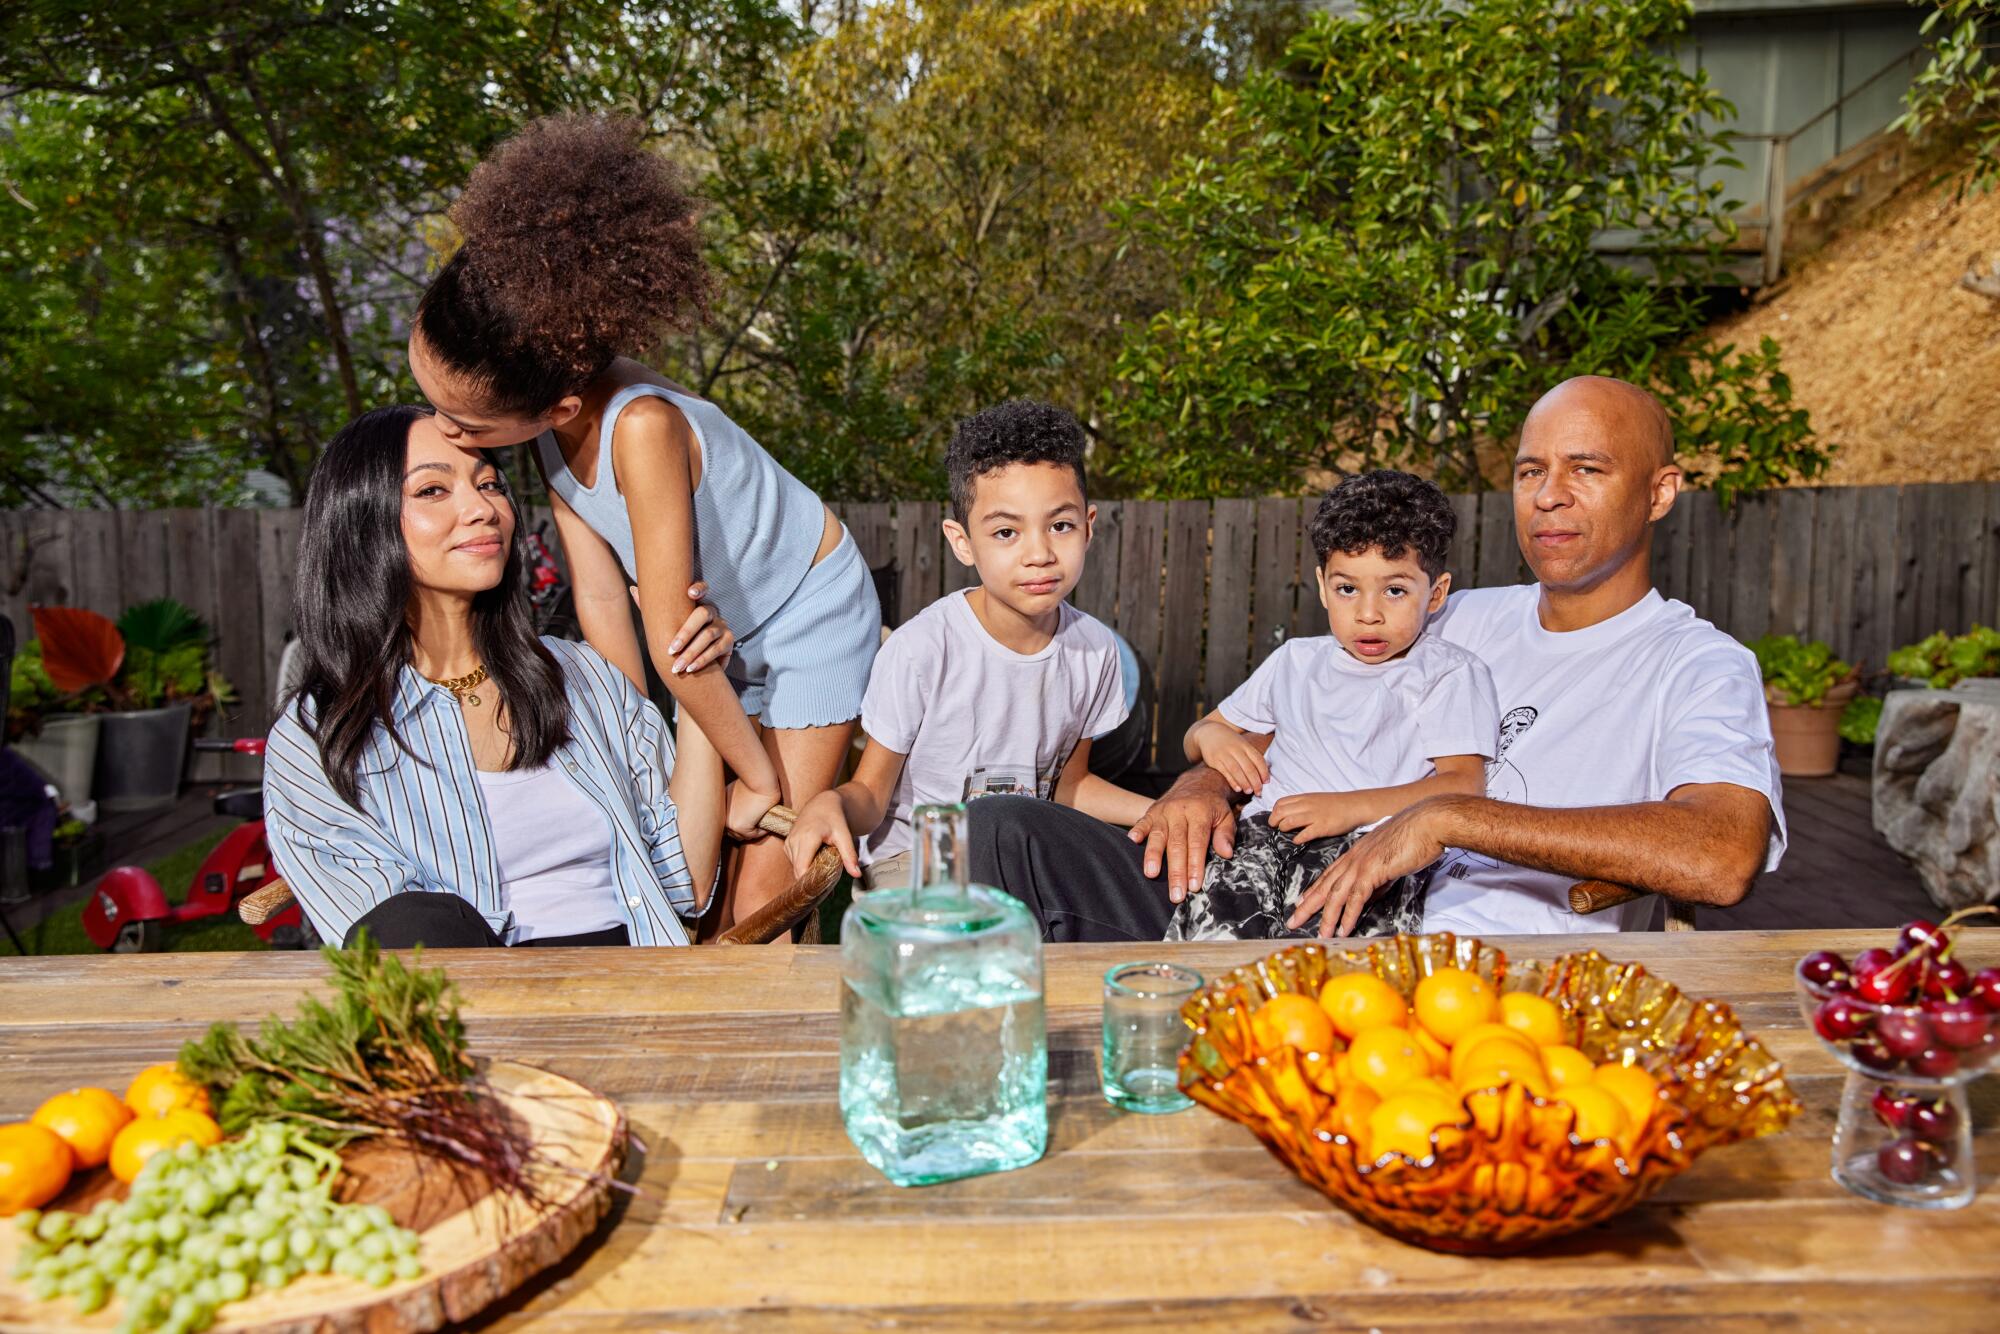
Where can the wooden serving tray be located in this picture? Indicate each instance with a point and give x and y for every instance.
(475, 1250)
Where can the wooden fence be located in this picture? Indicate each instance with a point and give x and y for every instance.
(1202, 590)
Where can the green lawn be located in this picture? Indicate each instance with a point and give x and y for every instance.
(62, 932)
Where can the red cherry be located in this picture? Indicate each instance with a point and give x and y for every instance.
(1986, 988)
(1872, 960)
(1932, 1122)
(1957, 1023)
(1892, 1109)
(1934, 1062)
(1822, 968)
(1839, 1018)
(1887, 986)
(1904, 1162)
(1904, 1033)
(1921, 932)
(1872, 1055)
(1946, 979)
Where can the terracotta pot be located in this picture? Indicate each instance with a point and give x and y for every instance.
(1808, 735)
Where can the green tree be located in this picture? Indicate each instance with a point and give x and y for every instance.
(1960, 85)
(1433, 210)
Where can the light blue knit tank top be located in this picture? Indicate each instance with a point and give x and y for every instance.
(756, 526)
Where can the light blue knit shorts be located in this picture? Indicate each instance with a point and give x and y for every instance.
(808, 665)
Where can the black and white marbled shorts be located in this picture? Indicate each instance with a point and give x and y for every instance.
(1249, 895)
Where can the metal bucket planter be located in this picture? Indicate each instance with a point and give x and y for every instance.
(65, 750)
(141, 756)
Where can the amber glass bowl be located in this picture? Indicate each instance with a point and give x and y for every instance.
(1511, 1175)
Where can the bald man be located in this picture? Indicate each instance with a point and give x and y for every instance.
(1634, 744)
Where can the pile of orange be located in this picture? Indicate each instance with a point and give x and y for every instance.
(1397, 1071)
(90, 1127)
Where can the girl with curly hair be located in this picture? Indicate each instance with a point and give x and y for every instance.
(581, 253)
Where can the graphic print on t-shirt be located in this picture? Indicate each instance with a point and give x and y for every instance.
(1504, 782)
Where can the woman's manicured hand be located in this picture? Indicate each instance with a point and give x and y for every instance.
(746, 807)
(821, 822)
(1233, 755)
(704, 637)
(1314, 815)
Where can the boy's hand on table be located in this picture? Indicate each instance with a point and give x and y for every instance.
(1233, 755)
(1396, 847)
(1195, 816)
(1315, 815)
(704, 637)
(822, 821)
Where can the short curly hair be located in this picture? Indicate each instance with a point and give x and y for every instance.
(580, 246)
(1394, 512)
(1021, 430)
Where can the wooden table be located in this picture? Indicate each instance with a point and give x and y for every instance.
(758, 1209)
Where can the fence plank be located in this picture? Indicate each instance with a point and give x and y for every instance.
(51, 577)
(1670, 549)
(1708, 559)
(1140, 583)
(917, 549)
(143, 554)
(1463, 561)
(1230, 571)
(1308, 616)
(1982, 588)
(14, 573)
(1867, 520)
(94, 555)
(1500, 561)
(1909, 619)
(1279, 533)
(190, 579)
(239, 634)
(1096, 588)
(1180, 664)
(1836, 593)
(277, 569)
(870, 524)
(1793, 570)
(1750, 568)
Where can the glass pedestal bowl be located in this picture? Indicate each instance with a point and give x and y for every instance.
(1511, 1174)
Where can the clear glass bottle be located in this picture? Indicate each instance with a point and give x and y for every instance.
(943, 1044)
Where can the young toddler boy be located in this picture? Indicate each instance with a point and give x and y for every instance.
(1335, 733)
(1001, 687)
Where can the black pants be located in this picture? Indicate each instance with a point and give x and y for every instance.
(1083, 879)
(448, 922)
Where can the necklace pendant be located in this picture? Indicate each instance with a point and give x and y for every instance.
(472, 699)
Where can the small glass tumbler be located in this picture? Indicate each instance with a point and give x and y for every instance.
(1144, 1035)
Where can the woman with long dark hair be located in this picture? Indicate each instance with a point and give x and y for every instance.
(443, 775)
(580, 252)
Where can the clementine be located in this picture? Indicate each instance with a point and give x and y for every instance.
(1291, 1019)
(159, 1089)
(87, 1120)
(1452, 1002)
(34, 1166)
(1404, 1124)
(1385, 1059)
(1360, 1001)
(1638, 1091)
(1536, 1016)
(148, 1135)
(1567, 1065)
(1599, 1115)
(1463, 1050)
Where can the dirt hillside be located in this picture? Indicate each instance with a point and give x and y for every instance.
(1899, 367)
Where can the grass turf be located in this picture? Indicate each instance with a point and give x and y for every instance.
(62, 931)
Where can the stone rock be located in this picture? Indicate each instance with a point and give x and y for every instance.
(1937, 787)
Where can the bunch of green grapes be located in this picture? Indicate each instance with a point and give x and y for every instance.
(203, 1227)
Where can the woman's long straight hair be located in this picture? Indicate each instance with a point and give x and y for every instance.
(351, 605)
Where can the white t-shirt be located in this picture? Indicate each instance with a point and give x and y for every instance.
(1342, 725)
(554, 849)
(950, 697)
(1622, 711)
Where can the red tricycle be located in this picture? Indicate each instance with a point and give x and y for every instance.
(129, 913)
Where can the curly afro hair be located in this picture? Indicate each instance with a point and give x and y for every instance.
(1021, 430)
(579, 246)
(1394, 512)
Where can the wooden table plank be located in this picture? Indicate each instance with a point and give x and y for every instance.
(755, 1207)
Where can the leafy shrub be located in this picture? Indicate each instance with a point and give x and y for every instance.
(1796, 672)
(1860, 718)
(1944, 660)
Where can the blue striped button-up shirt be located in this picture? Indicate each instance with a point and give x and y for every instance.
(423, 826)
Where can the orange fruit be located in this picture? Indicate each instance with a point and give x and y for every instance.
(1291, 1019)
(159, 1089)
(1430, 1084)
(1634, 1088)
(1567, 1066)
(35, 1165)
(1404, 1124)
(1385, 1059)
(1501, 1062)
(1360, 1001)
(87, 1120)
(1452, 1002)
(1440, 1055)
(1462, 1051)
(1536, 1016)
(148, 1135)
(1599, 1115)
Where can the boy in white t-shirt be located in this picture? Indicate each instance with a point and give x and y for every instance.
(1335, 733)
(1000, 688)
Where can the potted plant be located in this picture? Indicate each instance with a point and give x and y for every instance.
(52, 721)
(159, 685)
(73, 845)
(1806, 689)
(1942, 661)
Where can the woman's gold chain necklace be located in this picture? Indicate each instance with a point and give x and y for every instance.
(461, 686)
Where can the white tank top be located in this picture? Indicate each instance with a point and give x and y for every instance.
(554, 850)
